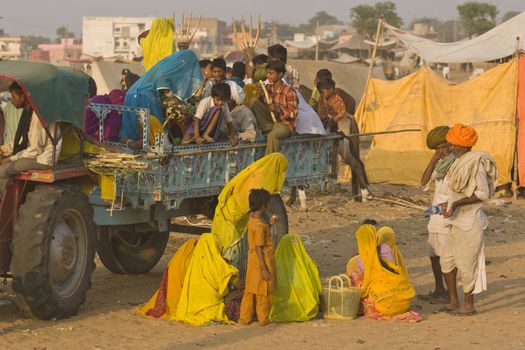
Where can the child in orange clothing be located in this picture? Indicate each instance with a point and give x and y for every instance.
(330, 107)
(260, 273)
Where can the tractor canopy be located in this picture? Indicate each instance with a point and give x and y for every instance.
(55, 94)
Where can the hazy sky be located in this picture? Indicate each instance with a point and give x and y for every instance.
(42, 17)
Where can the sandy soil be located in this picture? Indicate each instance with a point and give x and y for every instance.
(108, 319)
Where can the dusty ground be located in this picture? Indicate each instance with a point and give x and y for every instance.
(108, 319)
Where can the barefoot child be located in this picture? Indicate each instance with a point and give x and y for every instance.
(205, 126)
(260, 273)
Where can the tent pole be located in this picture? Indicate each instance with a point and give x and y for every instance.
(374, 51)
(516, 182)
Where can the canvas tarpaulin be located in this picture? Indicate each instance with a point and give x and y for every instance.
(521, 116)
(424, 100)
(497, 43)
(55, 94)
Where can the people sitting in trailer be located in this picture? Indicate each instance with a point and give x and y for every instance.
(259, 63)
(238, 73)
(228, 73)
(128, 79)
(280, 53)
(218, 67)
(276, 117)
(32, 145)
(314, 98)
(243, 122)
(205, 126)
(112, 121)
(11, 119)
(330, 106)
(205, 66)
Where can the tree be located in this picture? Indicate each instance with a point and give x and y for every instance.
(509, 15)
(34, 41)
(63, 32)
(364, 17)
(477, 17)
(2, 32)
(322, 18)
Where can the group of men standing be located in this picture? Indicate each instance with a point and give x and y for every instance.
(463, 179)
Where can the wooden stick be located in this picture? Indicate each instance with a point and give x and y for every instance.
(267, 98)
(251, 26)
(258, 32)
(187, 35)
(244, 32)
(196, 29)
(182, 27)
(374, 52)
(377, 133)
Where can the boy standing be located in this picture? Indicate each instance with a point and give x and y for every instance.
(260, 273)
(280, 53)
(438, 228)
(283, 104)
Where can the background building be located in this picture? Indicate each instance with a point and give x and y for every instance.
(113, 36)
(12, 48)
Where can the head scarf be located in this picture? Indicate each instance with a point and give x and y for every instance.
(462, 135)
(390, 291)
(437, 136)
(297, 301)
(367, 246)
(116, 97)
(386, 235)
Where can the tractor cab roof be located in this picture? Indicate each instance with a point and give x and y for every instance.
(55, 94)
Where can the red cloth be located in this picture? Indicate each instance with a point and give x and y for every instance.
(521, 119)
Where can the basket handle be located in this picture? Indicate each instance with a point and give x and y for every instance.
(339, 283)
(344, 277)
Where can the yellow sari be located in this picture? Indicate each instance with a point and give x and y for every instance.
(205, 285)
(390, 291)
(159, 42)
(164, 301)
(298, 286)
(386, 235)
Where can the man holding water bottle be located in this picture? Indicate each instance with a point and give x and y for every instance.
(438, 228)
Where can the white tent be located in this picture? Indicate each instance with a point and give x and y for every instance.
(498, 42)
(107, 74)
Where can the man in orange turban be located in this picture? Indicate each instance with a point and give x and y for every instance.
(471, 180)
(462, 135)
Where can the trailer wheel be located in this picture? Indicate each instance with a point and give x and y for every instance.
(277, 207)
(53, 251)
(130, 253)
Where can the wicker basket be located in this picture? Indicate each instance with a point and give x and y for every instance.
(340, 301)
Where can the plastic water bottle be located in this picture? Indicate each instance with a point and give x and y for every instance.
(433, 210)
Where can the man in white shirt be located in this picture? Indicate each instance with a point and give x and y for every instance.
(32, 148)
(471, 180)
(438, 228)
(12, 117)
(218, 68)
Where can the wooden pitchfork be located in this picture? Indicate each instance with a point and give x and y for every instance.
(246, 42)
(184, 36)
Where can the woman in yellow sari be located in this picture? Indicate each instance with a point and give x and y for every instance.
(387, 292)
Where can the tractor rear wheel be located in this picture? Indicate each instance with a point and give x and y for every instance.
(130, 253)
(53, 251)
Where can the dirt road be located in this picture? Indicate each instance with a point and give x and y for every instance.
(108, 319)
